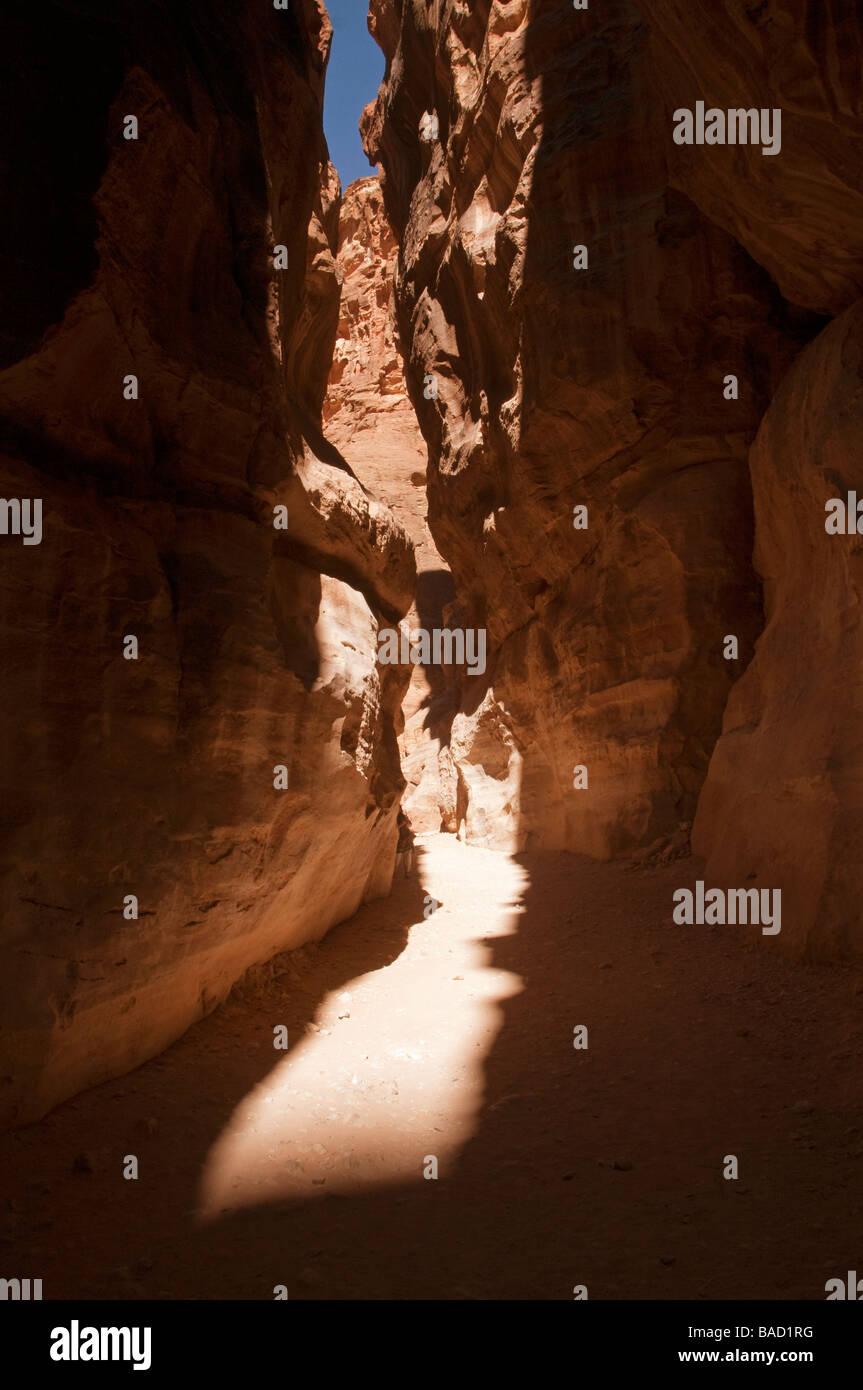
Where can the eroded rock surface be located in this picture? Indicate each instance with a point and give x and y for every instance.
(780, 805)
(783, 802)
(368, 415)
(798, 212)
(154, 258)
(604, 387)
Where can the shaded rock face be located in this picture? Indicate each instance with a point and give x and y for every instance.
(782, 806)
(257, 647)
(798, 213)
(566, 378)
(368, 415)
(604, 387)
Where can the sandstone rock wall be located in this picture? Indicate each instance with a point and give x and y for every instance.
(604, 387)
(560, 387)
(782, 806)
(799, 213)
(368, 415)
(154, 777)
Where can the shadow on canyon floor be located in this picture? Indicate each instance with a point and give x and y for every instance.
(601, 1167)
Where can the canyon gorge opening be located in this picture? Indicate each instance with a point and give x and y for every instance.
(431, 771)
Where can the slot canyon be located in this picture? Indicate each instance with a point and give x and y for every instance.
(521, 960)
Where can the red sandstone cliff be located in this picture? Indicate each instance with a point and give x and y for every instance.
(603, 386)
(783, 800)
(154, 777)
(781, 804)
(369, 417)
(560, 387)
(563, 379)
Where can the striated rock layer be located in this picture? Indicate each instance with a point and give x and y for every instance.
(572, 378)
(799, 213)
(782, 806)
(369, 417)
(603, 386)
(153, 258)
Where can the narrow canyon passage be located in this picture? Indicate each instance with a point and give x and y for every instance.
(431, 783)
(453, 1036)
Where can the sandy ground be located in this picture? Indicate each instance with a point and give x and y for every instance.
(451, 1037)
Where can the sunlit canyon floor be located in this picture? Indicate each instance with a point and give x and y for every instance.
(557, 1167)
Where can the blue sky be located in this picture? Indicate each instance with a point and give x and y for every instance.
(353, 77)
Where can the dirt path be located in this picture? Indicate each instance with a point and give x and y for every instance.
(452, 1036)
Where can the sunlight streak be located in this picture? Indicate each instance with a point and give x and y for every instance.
(391, 1070)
